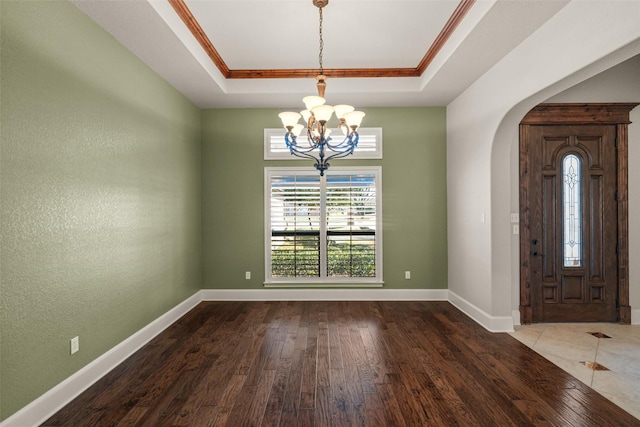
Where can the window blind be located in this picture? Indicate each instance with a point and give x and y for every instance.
(295, 226)
(351, 225)
(322, 228)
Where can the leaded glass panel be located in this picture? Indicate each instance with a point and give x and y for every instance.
(572, 211)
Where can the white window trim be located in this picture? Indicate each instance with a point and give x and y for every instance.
(357, 154)
(320, 281)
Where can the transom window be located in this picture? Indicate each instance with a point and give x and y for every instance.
(323, 229)
(369, 144)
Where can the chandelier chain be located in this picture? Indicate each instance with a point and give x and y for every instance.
(321, 44)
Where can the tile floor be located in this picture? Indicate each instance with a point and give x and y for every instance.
(611, 366)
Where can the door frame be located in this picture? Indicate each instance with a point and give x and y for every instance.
(577, 114)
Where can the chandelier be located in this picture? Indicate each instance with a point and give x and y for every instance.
(320, 146)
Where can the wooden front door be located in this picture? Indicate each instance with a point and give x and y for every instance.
(573, 224)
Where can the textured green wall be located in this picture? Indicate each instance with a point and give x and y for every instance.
(100, 196)
(414, 195)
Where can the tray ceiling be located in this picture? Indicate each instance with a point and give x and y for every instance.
(258, 53)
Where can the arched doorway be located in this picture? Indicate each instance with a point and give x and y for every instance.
(573, 212)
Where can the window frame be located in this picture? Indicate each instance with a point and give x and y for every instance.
(270, 281)
(285, 154)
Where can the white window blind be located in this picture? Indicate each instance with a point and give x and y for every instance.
(351, 225)
(369, 144)
(323, 229)
(295, 226)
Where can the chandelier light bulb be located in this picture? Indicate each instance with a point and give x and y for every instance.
(306, 115)
(341, 110)
(297, 129)
(354, 118)
(322, 113)
(289, 118)
(313, 101)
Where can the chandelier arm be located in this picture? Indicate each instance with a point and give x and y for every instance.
(348, 150)
(345, 143)
(292, 145)
(314, 125)
(342, 149)
(311, 140)
(320, 163)
(338, 155)
(302, 151)
(305, 156)
(348, 141)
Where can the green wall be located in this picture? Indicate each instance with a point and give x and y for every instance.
(112, 212)
(413, 186)
(100, 196)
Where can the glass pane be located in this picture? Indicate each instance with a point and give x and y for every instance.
(295, 226)
(351, 225)
(572, 211)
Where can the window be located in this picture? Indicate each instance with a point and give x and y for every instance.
(572, 211)
(369, 144)
(323, 230)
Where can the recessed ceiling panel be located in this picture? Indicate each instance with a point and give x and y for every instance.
(256, 34)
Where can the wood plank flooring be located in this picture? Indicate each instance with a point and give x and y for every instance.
(336, 364)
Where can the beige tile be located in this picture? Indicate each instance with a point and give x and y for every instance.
(528, 334)
(617, 384)
(620, 356)
(568, 344)
(628, 333)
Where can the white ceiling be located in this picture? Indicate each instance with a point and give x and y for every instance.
(283, 34)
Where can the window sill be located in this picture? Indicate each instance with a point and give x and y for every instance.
(323, 284)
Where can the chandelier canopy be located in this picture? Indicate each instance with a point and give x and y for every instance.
(316, 114)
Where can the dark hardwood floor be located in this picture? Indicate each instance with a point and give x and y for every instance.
(336, 363)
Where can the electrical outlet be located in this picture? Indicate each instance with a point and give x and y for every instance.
(247, 275)
(407, 275)
(516, 229)
(75, 345)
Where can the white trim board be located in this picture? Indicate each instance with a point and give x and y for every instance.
(635, 317)
(324, 294)
(489, 322)
(515, 315)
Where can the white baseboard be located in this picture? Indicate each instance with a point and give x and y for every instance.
(53, 400)
(325, 294)
(515, 315)
(635, 317)
(489, 322)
